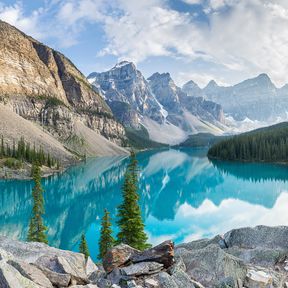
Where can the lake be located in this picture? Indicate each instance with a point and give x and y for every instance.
(184, 197)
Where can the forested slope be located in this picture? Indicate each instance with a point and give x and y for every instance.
(266, 144)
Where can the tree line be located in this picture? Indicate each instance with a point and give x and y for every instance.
(269, 144)
(23, 151)
(129, 219)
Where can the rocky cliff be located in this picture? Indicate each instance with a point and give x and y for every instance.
(125, 84)
(242, 258)
(43, 86)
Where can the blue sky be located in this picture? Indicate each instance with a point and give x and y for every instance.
(225, 40)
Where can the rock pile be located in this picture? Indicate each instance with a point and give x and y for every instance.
(242, 258)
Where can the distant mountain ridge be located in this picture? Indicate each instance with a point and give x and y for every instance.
(257, 99)
(166, 112)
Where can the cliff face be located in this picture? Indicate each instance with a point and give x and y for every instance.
(43, 86)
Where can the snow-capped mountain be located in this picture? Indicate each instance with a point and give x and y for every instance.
(257, 99)
(192, 89)
(168, 113)
(127, 93)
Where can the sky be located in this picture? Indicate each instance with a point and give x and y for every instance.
(200, 40)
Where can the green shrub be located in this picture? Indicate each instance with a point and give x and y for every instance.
(13, 163)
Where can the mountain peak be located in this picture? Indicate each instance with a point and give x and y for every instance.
(190, 84)
(123, 64)
(162, 76)
(211, 84)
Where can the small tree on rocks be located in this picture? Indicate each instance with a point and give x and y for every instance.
(130, 222)
(106, 241)
(83, 247)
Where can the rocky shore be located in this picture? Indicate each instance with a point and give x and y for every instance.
(248, 257)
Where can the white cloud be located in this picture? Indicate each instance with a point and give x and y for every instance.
(245, 37)
(248, 38)
(193, 2)
(14, 15)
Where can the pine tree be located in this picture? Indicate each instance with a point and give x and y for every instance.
(2, 150)
(37, 228)
(83, 247)
(130, 222)
(106, 241)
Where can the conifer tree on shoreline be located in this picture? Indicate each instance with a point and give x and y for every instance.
(37, 229)
(130, 221)
(106, 240)
(83, 247)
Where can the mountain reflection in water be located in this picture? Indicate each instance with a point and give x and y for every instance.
(184, 196)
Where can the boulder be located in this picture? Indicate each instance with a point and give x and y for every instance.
(143, 268)
(90, 267)
(166, 281)
(85, 286)
(71, 266)
(133, 284)
(258, 279)
(4, 255)
(182, 279)
(11, 278)
(57, 279)
(151, 283)
(210, 265)
(260, 236)
(31, 272)
(30, 251)
(162, 253)
(178, 265)
(118, 256)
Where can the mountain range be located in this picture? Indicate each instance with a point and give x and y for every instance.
(170, 113)
(48, 101)
(157, 104)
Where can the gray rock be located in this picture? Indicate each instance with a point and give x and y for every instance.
(166, 281)
(11, 278)
(31, 272)
(103, 283)
(57, 279)
(143, 268)
(258, 279)
(133, 284)
(84, 286)
(71, 266)
(90, 266)
(260, 236)
(210, 265)
(178, 265)
(151, 283)
(115, 276)
(182, 279)
(96, 276)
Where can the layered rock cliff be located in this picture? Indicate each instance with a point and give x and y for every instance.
(43, 86)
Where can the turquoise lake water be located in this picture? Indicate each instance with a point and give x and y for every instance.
(184, 197)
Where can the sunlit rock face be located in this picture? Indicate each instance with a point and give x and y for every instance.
(43, 86)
